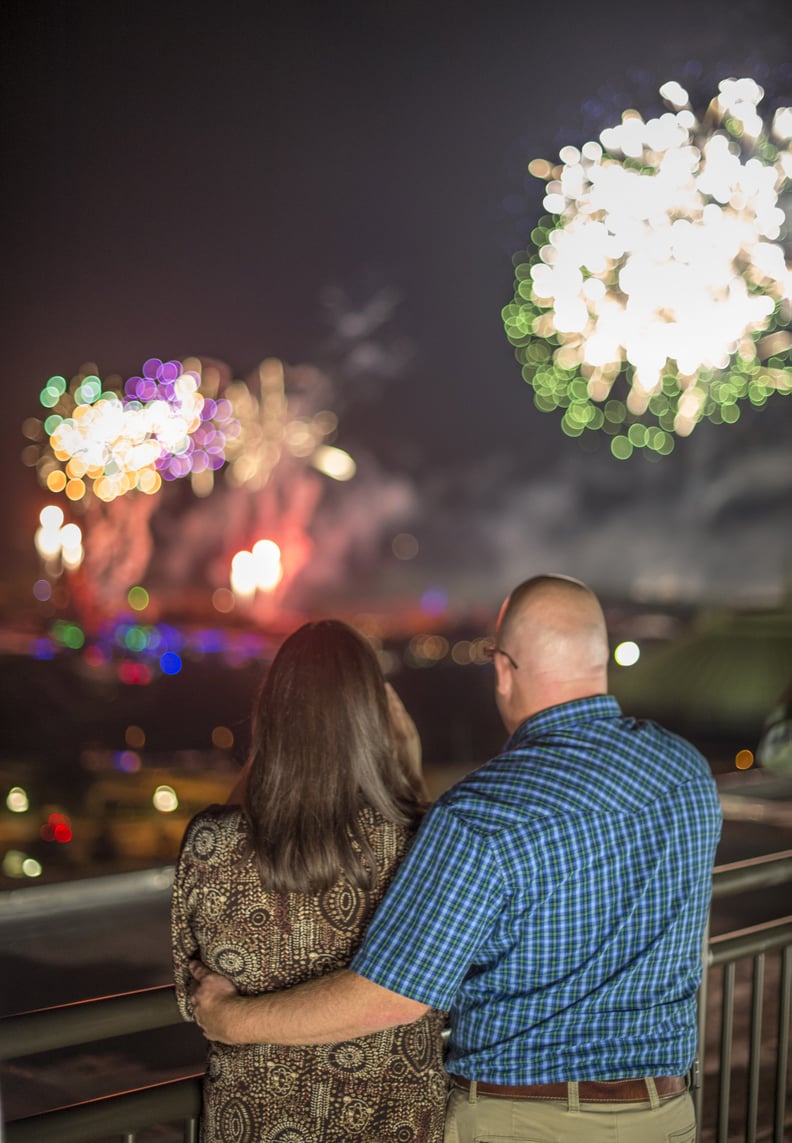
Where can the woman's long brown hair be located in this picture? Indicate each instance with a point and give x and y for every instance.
(322, 748)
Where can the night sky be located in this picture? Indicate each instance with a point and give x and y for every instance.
(240, 181)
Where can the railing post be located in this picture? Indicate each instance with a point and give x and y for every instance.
(697, 1077)
(782, 1056)
(726, 1038)
(755, 1048)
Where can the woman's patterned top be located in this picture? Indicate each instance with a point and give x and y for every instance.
(385, 1088)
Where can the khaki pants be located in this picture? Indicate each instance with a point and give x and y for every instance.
(473, 1118)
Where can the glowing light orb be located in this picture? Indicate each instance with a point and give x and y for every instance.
(267, 564)
(334, 462)
(658, 291)
(17, 800)
(135, 737)
(138, 598)
(222, 738)
(626, 654)
(58, 544)
(170, 663)
(165, 799)
(260, 569)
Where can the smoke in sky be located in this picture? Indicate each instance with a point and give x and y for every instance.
(712, 523)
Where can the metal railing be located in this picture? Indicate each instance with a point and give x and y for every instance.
(126, 1113)
(727, 951)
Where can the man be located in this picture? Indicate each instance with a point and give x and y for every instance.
(554, 902)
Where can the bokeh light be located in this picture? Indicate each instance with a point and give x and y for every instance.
(17, 800)
(68, 635)
(434, 601)
(138, 598)
(42, 589)
(334, 462)
(626, 654)
(170, 663)
(57, 828)
(165, 799)
(744, 759)
(58, 544)
(223, 600)
(260, 569)
(19, 864)
(135, 737)
(404, 546)
(658, 292)
(222, 738)
(267, 564)
(127, 761)
(426, 650)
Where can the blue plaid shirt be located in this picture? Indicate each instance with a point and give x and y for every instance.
(555, 902)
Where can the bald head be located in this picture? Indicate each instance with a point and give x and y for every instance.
(553, 628)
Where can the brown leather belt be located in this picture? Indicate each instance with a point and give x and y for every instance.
(589, 1091)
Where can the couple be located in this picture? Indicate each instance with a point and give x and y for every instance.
(553, 902)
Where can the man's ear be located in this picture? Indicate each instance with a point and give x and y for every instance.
(504, 680)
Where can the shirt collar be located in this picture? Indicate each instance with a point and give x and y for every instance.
(564, 714)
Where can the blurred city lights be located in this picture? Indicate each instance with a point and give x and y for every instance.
(658, 291)
(426, 650)
(138, 598)
(42, 589)
(56, 828)
(127, 761)
(17, 800)
(18, 864)
(138, 674)
(744, 759)
(170, 663)
(223, 600)
(222, 738)
(434, 601)
(135, 737)
(404, 546)
(165, 800)
(626, 654)
(68, 634)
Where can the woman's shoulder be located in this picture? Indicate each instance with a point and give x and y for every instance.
(214, 831)
(389, 840)
(376, 824)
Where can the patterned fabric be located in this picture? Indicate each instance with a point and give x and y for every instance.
(385, 1088)
(562, 891)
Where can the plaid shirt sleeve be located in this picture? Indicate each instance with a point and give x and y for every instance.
(443, 904)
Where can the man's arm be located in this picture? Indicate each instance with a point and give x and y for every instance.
(336, 1007)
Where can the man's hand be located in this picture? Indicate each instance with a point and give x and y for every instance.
(212, 998)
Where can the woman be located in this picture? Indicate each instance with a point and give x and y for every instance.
(282, 889)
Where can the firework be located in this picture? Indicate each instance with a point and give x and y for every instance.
(110, 448)
(658, 292)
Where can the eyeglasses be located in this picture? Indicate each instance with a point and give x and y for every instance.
(491, 650)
